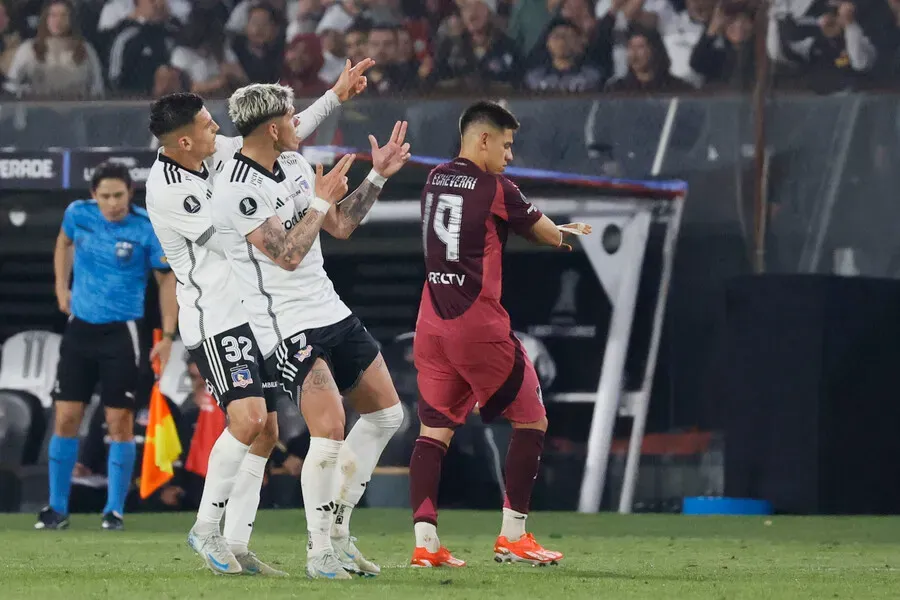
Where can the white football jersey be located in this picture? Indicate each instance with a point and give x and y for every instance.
(279, 303)
(29, 362)
(225, 149)
(179, 205)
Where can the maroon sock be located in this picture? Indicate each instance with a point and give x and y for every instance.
(425, 478)
(522, 462)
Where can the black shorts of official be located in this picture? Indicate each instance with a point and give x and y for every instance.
(346, 346)
(108, 354)
(233, 367)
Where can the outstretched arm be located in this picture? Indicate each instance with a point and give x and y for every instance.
(547, 233)
(347, 214)
(351, 82)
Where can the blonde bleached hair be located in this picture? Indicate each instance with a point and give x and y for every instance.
(254, 104)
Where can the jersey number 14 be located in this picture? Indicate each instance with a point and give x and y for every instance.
(447, 223)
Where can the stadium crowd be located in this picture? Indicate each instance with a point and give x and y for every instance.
(147, 48)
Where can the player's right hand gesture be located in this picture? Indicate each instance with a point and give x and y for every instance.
(333, 186)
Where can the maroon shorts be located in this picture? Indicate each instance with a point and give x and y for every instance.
(456, 376)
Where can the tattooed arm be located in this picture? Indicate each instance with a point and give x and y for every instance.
(287, 248)
(346, 215)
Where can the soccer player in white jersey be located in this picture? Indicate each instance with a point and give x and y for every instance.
(214, 325)
(268, 208)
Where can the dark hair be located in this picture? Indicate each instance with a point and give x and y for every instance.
(359, 25)
(384, 26)
(79, 50)
(205, 30)
(560, 22)
(111, 170)
(274, 15)
(173, 111)
(487, 112)
(660, 56)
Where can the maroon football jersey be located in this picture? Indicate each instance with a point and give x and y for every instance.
(466, 216)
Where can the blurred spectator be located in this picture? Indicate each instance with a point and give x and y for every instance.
(648, 66)
(387, 76)
(617, 17)
(141, 46)
(527, 23)
(356, 42)
(260, 51)
(205, 58)
(478, 57)
(434, 11)
(116, 11)
(564, 71)
(409, 68)
(302, 62)
(682, 31)
(25, 16)
(331, 30)
(57, 61)
(725, 53)
(339, 16)
(833, 50)
(384, 11)
(236, 20)
(305, 17)
(9, 41)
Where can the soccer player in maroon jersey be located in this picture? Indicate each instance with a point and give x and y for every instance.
(466, 354)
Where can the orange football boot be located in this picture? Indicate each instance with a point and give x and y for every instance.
(526, 550)
(442, 558)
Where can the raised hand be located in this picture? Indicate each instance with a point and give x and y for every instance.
(391, 157)
(352, 81)
(333, 187)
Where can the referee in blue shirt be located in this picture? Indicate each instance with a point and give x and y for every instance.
(115, 250)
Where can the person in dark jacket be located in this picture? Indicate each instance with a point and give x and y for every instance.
(725, 53)
(648, 66)
(141, 45)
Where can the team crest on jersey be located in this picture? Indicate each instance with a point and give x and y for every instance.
(303, 353)
(191, 205)
(304, 185)
(248, 207)
(240, 376)
(124, 250)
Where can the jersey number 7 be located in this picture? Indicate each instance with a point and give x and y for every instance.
(448, 233)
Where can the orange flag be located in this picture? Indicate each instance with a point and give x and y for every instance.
(210, 425)
(161, 445)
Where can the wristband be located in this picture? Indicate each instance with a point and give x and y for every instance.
(375, 178)
(323, 206)
(169, 335)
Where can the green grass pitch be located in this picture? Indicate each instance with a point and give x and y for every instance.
(659, 557)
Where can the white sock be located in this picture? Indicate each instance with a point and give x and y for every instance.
(225, 461)
(358, 458)
(427, 537)
(317, 480)
(513, 524)
(244, 502)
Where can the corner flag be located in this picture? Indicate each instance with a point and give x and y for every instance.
(161, 446)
